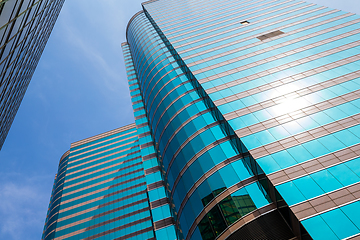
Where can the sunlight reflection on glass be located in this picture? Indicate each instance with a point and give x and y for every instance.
(284, 89)
(289, 105)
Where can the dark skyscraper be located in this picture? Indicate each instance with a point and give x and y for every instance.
(25, 27)
(248, 120)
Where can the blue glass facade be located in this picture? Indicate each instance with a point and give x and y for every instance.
(158, 190)
(212, 180)
(246, 119)
(191, 137)
(285, 76)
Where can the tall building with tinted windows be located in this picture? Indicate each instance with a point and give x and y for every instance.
(247, 118)
(25, 27)
(100, 190)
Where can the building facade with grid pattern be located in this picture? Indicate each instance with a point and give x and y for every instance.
(25, 26)
(100, 190)
(247, 114)
(285, 76)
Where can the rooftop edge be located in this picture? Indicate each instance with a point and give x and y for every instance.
(102, 135)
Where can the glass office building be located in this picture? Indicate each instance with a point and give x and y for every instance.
(25, 27)
(100, 190)
(247, 119)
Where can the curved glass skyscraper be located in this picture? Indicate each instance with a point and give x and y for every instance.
(25, 26)
(212, 179)
(247, 117)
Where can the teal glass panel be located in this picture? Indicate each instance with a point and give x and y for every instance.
(258, 195)
(352, 211)
(315, 148)
(308, 187)
(161, 213)
(339, 223)
(279, 132)
(290, 193)
(283, 159)
(326, 181)
(268, 164)
(229, 176)
(344, 175)
(346, 137)
(318, 229)
(166, 233)
(354, 165)
(331, 143)
(299, 153)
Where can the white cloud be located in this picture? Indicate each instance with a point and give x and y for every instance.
(22, 208)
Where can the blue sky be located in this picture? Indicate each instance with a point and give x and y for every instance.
(79, 89)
